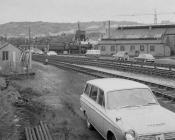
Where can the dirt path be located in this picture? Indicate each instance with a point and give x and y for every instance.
(60, 91)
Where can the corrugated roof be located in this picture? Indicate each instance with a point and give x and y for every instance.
(142, 31)
(147, 26)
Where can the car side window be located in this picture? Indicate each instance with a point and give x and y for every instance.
(101, 98)
(87, 89)
(93, 93)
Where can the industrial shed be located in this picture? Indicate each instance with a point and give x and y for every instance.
(9, 58)
(158, 40)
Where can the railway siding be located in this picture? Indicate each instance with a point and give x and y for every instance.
(165, 92)
(162, 70)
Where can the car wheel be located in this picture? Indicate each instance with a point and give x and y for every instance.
(88, 124)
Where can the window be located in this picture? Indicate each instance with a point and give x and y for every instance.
(101, 99)
(102, 48)
(93, 93)
(130, 97)
(116, 48)
(141, 47)
(122, 48)
(5, 55)
(112, 48)
(152, 48)
(132, 48)
(87, 89)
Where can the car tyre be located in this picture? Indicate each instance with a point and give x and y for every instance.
(88, 124)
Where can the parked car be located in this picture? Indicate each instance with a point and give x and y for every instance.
(65, 52)
(121, 109)
(36, 51)
(51, 53)
(121, 55)
(145, 58)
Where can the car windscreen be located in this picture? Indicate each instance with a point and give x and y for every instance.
(129, 98)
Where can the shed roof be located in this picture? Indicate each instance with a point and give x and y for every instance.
(143, 31)
(3, 44)
(147, 26)
(112, 84)
(139, 34)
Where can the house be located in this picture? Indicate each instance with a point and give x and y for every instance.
(9, 58)
(158, 40)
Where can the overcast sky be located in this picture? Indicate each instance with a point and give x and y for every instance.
(85, 10)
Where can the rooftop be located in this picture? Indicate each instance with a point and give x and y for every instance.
(112, 84)
(147, 26)
(143, 32)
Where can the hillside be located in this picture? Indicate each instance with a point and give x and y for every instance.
(16, 29)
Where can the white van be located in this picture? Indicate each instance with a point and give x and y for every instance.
(94, 53)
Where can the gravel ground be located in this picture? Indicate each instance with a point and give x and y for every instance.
(60, 92)
(153, 79)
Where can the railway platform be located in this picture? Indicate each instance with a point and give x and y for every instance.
(148, 78)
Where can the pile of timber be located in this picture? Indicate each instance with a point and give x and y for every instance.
(40, 132)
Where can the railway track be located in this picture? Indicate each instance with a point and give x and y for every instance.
(162, 92)
(162, 70)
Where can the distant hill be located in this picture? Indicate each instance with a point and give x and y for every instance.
(16, 29)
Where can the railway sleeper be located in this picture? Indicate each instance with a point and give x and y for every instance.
(40, 132)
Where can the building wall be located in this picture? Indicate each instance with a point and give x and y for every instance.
(158, 49)
(165, 33)
(169, 40)
(13, 61)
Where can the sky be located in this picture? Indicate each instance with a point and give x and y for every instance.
(86, 10)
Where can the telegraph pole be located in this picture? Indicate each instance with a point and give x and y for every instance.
(29, 48)
(78, 25)
(155, 16)
(109, 29)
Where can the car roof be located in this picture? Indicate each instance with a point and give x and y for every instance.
(112, 84)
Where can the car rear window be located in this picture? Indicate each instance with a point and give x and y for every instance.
(87, 89)
(93, 93)
(101, 99)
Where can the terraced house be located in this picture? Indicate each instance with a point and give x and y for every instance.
(158, 40)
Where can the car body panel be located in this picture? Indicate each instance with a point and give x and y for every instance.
(146, 120)
(101, 122)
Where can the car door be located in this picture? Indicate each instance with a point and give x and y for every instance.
(92, 105)
(85, 98)
(100, 112)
